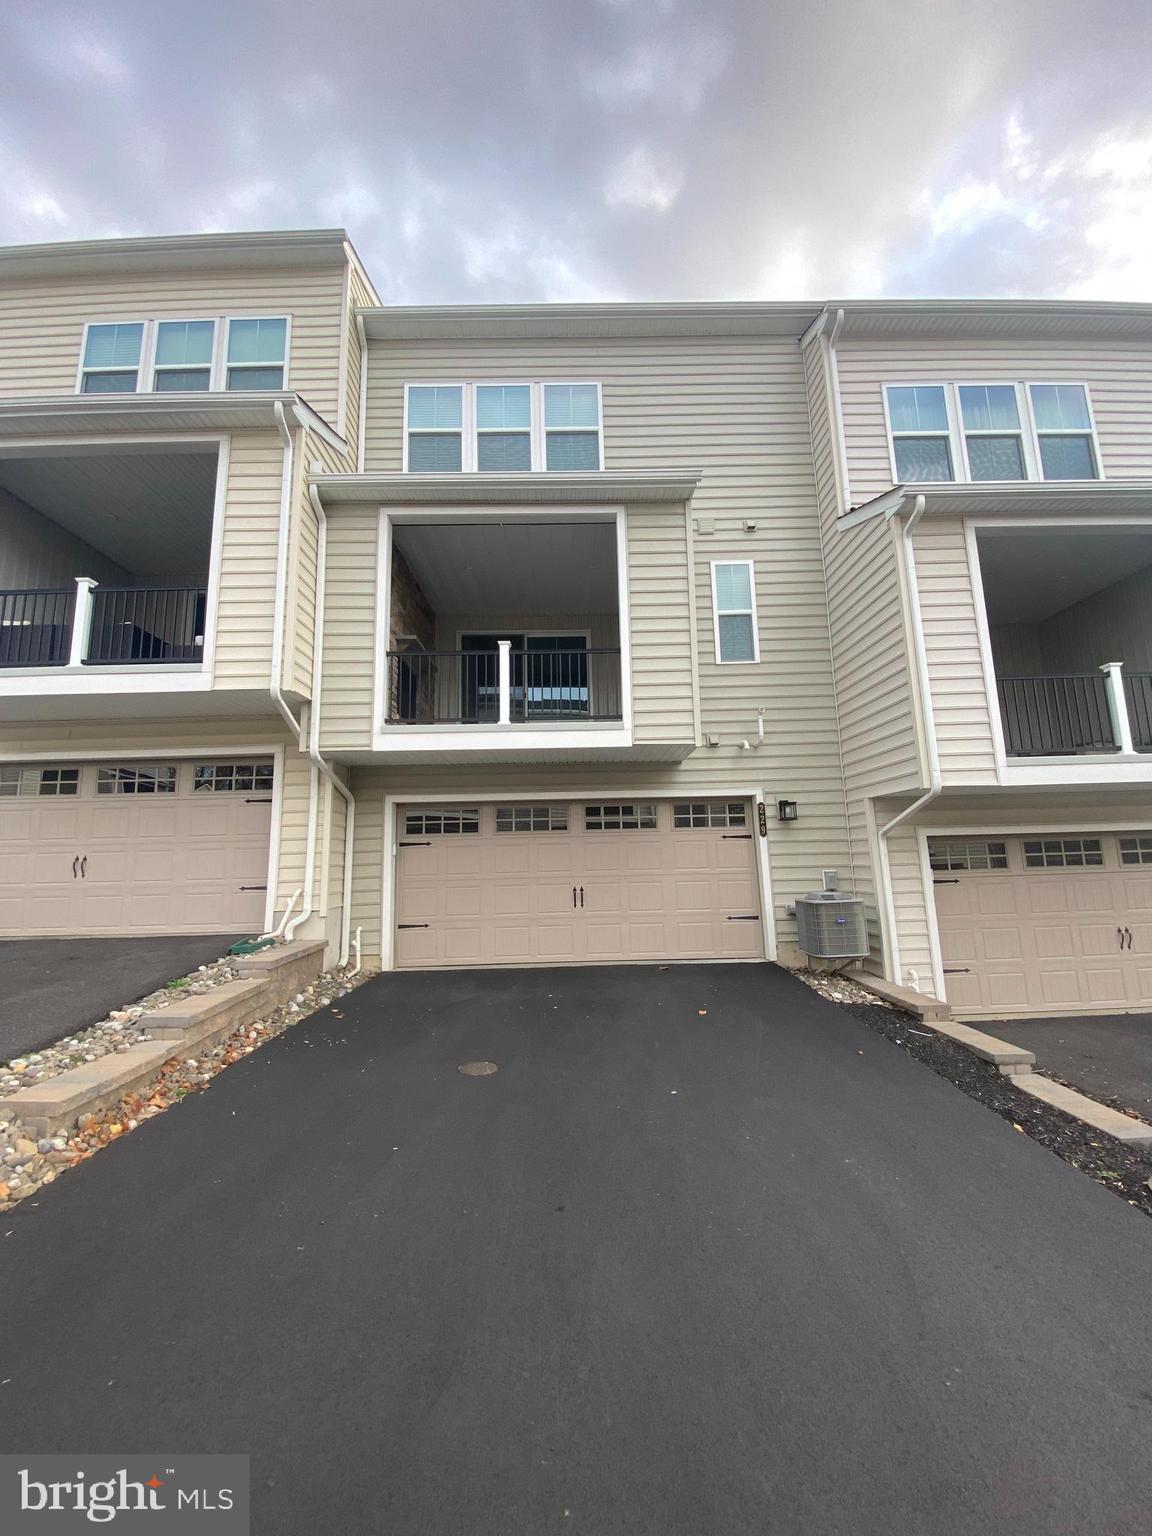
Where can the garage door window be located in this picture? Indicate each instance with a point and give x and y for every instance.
(709, 813)
(631, 817)
(532, 818)
(1136, 850)
(1063, 853)
(152, 780)
(438, 823)
(224, 778)
(39, 781)
(971, 856)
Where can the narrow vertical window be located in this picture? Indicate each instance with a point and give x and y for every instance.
(918, 417)
(734, 606)
(571, 426)
(503, 427)
(990, 414)
(1064, 434)
(112, 359)
(256, 354)
(435, 427)
(183, 355)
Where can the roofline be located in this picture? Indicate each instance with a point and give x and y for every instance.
(1009, 497)
(276, 247)
(479, 321)
(541, 488)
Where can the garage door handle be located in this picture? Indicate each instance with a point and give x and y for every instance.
(75, 865)
(84, 867)
(1128, 931)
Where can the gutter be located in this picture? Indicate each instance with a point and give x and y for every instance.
(920, 652)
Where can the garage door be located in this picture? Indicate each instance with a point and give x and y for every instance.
(586, 882)
(134, 848)
(1046, 924)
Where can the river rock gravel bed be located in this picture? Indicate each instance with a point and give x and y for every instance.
(28, 1163)
(123, 1027)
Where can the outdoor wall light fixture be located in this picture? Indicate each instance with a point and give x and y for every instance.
(787, 810)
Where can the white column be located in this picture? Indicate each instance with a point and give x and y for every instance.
(504, 680)
(81, 621)
(1118, 704)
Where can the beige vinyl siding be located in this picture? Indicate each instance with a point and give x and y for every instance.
(359, 296)
(1118, 375)
(1112, 625)
(42, 324)
(871, 652)
(248, 559)
(952, 641)
(349, 630)
(665, 655)
(910, 897)
(36, 552)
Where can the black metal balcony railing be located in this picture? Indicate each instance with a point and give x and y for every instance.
(1138, 693)
(463, 687)
(1056, 716)
(131, 624)
(35, 627)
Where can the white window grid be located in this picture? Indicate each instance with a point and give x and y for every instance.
(957, 435)
(441, 823)
(709, 813)
(229, 778)
(973, 856)
(146, 367)
(469, 433)
(28, 782)
(629, 816)
(148, 779)
(1136, 849)
(1063, 853)
(718, 613)
(532, 818)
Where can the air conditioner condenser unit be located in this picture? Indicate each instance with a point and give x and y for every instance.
(830, 926)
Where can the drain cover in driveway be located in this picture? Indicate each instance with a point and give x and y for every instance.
(478, 1068)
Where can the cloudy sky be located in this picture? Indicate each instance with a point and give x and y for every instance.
(499, 150)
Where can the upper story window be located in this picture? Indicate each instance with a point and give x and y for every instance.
(183, 356)
(997, 432)
(734, 611)
(111, 362)
(502, 428)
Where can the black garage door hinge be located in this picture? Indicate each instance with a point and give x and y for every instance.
(752, 917)
(736, 837)
(257, 800)
(945, 882)
(412, 925)
(415, 845)
(253, 887)
(957, 970)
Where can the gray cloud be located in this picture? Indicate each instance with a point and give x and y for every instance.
(527, 149)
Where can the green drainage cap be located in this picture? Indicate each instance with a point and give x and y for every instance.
(250, 946)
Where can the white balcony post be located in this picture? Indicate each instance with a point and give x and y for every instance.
(81, 621)
(1118, 705)
(504, 680)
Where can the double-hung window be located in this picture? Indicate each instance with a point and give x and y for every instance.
(991, 432)
(111, 364)
(183, 359)
(502, 428)
(256, 353)
(734, 611)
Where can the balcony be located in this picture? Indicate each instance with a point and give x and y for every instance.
(1071, 645)
(89, 625)
(504, 686)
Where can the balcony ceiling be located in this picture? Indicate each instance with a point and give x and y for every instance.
(511, 569)
(148, 512)
(1030, 576)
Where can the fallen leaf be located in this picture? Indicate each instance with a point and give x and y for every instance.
(1016, 1127)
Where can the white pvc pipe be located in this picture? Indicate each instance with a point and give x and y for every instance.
(355, 971)
(275, 933)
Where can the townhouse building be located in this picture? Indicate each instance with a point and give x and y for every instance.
(573, 633)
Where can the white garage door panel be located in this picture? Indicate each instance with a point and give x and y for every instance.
(575, 896)
(1047, 940)
(167, 863)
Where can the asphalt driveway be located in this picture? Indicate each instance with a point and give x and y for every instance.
(1109, 1057)
(666, 1273)
(50, 987)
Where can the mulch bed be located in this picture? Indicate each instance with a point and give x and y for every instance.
(1121, 1169)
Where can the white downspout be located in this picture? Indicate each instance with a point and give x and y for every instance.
(920, 650)
(282, 575)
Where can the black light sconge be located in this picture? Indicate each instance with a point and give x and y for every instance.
(787, 810)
